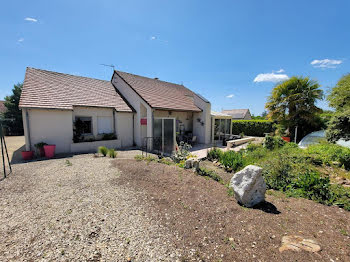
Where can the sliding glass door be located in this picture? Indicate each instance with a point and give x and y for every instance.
(222, 128)
(164, 135)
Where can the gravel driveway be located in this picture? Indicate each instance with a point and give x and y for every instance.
(74, 211)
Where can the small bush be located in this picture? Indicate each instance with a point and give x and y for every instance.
(214, 154)
(278, 173)
(166, 161)
(103, 150)
(112, 153)
(311, 185)
(272, 142)
(182, 152)
(252, 147)
(108, 136)
(232, 160)
(209, 173)
(138, 157)
(252, 127)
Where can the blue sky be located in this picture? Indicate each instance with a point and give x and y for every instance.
(216, 48)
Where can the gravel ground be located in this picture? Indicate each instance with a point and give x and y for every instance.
(56, 210)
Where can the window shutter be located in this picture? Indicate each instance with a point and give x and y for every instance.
(104, 124)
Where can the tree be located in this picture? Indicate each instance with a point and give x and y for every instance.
(292, 103)
(339, 98)
(13, 115)
(339, 126)
(263, 116)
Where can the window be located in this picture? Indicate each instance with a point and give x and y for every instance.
(84, 124)
(105, 124)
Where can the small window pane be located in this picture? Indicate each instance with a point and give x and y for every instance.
(86, 124)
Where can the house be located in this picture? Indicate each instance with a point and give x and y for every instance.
(238, 114)
(78, 114)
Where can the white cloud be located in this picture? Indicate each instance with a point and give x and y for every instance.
(21, 40)
(270, 77)
(230, 96)
(153, 38)
(31, 19)
(280, 71)
(326, 63)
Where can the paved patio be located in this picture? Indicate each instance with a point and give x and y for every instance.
(201, 150)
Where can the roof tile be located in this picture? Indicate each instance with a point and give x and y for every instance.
(47, 89)
(160, 94)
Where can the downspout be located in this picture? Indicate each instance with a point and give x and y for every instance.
(133, 129)
(114, 129)
(28, 129)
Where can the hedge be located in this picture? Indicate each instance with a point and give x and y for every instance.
(252, 127)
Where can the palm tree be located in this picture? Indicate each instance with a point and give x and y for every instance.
(292, 103)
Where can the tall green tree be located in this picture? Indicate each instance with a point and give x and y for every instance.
(293, 103)
(339, 99)
(13, 115)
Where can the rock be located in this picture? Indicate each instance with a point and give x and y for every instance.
(249, 186)
(188, 163)
(298, 243)
(195, 164)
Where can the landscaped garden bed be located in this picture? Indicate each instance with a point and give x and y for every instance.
(294, 171)
(211, 226)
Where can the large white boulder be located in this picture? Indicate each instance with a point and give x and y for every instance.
(249, 186)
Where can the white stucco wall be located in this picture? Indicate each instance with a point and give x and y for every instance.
(124, 125)
(49, 126)
(186, 118)
(203, 132)
(56, 127)
(135, 101)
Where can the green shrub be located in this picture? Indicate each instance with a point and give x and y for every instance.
(272, 142)
(138, 157)
(252, 127)
(209, 173)
(40, 145)
(108, 136)
(278, 173)
(166, 161)
(255, 154)
(182, 153)
(103, 150)
(252, 147)
(214, 154)
(340, 196)
(329, 153)
(112, 153)
(232, 160)
(311, 185)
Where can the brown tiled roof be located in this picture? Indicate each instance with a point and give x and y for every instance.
(236, 113)
(47, 89)
(3, 108)
(160, 94)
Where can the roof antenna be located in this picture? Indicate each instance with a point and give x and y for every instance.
(111, 66)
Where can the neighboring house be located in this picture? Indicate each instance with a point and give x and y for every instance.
(135, 109)
(238, 114)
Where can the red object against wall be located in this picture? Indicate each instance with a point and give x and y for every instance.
(286, 138)
(144, 121)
